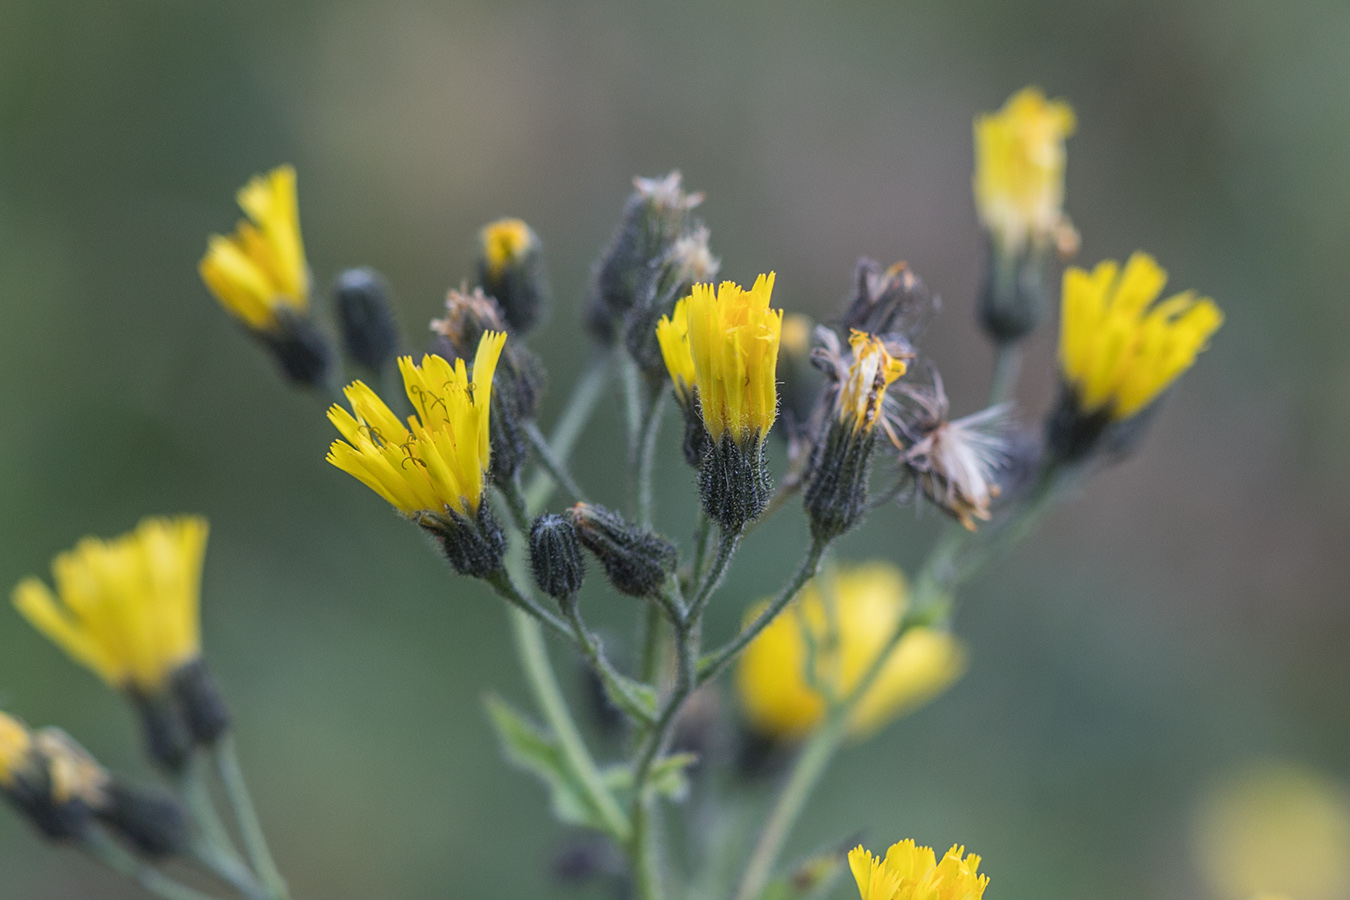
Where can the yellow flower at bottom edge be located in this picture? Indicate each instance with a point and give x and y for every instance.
(910, 872)
(1118, 348)
(128, 608)
(1019, 170)
(439, 460)
(869, 601)
(260, 271)
(724, 343)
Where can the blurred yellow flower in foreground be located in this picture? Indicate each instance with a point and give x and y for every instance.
(1019, 170)
(128, 608)
(909, 872)
(260, 271)
(1275, 830)
(869, 601)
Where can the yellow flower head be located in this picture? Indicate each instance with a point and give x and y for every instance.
(440, 459)
(871, 372)
(909, 872)
(16, 749)
(723, 343)
(260, 270)
(867, 603)
(505, 242)
(1019, 170)
(128, 608)
(1119, 349)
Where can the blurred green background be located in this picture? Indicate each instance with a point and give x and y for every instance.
(1185, 613)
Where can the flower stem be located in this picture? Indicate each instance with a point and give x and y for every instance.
(539, 673)
(1007, 363)
(107, 851)
(212, 846)
(647, 453)
(573, 420)
(555, 467)
(246, 817)
(619, 688)
(728, 541)
(713, 663)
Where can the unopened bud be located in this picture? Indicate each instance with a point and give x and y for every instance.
(204, 710)
(168, 741)
(1012, 301)
(473, 547)
(555, 556)
(836, 495)
(153, 822)
(302, 350)
(653, 219)
(689, 261)
(511, 270)
(636, 560)
(369, 332)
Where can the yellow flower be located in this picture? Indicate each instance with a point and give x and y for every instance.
(871, 372)
(128, 608)
(1118, 348)
(723, 343)
(16, 747)
(260, 271)
(869, 601)
(505, 242)
(909, 872)
(1019, 170)
(439, 460)
(1274, 829)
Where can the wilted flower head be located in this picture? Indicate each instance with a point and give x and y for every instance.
(955, 461)
(909, 872)
(849, 617)
(892, 302)
(1019, 171)
(863, 391)
(260, 271)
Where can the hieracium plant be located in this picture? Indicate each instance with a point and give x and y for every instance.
(449, 438)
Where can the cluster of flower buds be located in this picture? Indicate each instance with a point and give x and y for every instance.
(657, 254)
(128, 610)
(64, 792)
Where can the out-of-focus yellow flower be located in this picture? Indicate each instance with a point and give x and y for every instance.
(1118, 348)
(129, 608)
(439, 460)
(868, 602)
(1275, 830)
(723, 343)
(909, 872)
(260, 271)
(505, 241)
(871, 372)
(1019, 170)
(16, 747)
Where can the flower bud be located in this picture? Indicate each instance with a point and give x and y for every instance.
(733, 481)
(555, 556)
(369, 332)
(474, 547)
(653, 219)
(689, 261)
(153, 822)
(55, 790)
(511, 270)
(204, 710)
(302, 350)
(1013, 298)
(636, 560)
(167, 739)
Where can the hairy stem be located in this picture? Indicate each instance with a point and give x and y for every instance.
(619, 688)
(107, 851)
(647, 454)
(585, 395)
(555, 467)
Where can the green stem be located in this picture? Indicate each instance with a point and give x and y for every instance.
(108, 852)
(551, 464)
(810, 765)
(703, 541)
(647, 454)
(619, 688)
(728, 541)
(571, 423)
(713, 663)
(1007, 363)
(246, 817)
(539, 673)
(505, 587)
(650, 663)
(212, 846)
